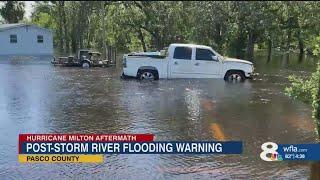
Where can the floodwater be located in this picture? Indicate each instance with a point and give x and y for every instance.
(36, 97)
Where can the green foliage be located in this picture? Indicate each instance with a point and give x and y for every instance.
(12, 11)
(307, 90)
(232, 27)
(44, 20)
(314, 45)
(42, 15)
(300, 88)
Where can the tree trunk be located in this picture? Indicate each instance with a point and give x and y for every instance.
(80, 25)
(140, 35)
(81, 41)
(73, 30)
(285, 59)
(300, 43)
(156, 40)
(218, 36)
(103, 14)
(269, 49)
(300, 58)
(89, 38)
(74, 38)
(60, 30)
(288, 40)
(65, 27)
(250, 47)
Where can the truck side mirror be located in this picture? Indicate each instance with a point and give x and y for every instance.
(215, 58)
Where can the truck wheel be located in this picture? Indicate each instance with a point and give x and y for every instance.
(85, 64)
(234, 76)
(123, 76)
(148, 75)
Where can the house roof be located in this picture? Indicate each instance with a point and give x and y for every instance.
(9, 26)
(16, 25)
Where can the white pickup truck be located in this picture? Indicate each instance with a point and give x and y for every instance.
(186, 61)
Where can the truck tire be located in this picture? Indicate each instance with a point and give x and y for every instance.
(234, 76)
(123, 76)
(85, 64)
(147, 74)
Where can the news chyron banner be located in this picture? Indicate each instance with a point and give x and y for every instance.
(90, 148)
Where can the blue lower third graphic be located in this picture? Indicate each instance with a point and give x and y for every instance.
(281, 152)
(299, 151)
(156, 147)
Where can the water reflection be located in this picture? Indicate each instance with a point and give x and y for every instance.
(217, 132)
(193, 103)
(285, 60)
(301, 58)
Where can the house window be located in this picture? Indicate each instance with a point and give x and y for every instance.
(40, 39)
(13, 38)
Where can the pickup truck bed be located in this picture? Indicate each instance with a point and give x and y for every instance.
(145, 55)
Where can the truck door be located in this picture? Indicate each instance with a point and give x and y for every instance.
(181, 64)
(206, 64)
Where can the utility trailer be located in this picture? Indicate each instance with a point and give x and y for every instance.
(84, 58)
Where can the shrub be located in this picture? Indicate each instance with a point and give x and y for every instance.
(307, 90)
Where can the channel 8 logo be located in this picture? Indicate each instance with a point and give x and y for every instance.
(269, 152)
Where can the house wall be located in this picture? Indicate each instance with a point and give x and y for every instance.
(26, 41)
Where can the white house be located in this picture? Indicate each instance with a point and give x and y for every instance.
(23, 39)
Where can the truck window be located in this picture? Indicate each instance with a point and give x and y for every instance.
(84, 53)
(204, 54)
(182, 53)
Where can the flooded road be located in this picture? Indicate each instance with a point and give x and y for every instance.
(36, 97)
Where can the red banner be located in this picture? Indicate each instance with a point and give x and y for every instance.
(85, 138)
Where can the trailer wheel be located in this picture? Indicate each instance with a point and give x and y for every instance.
(85, 64)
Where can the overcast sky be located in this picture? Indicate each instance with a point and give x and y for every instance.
(28, 8)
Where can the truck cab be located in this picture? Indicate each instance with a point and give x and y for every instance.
(194, 62)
